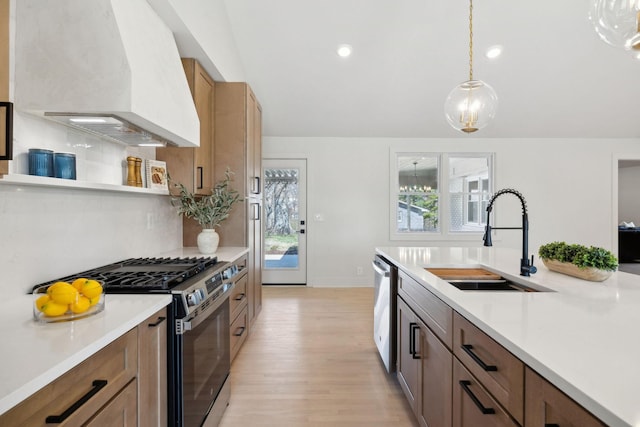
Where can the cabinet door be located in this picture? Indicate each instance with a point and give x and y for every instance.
(408, 361)
(193, 167)
(238, 331)
(152, 370)
(255, 245)
(473, 406)
(436, 376)
(546, 406)
(76, 396)
(120, 411)
(499, 371)
(203, 97)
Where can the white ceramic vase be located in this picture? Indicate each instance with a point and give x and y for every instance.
(208, 241)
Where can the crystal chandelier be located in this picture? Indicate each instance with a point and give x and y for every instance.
(472, 104)
(617, 22)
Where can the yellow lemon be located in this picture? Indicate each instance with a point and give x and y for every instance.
(53, 309)
(81, 305)
(79, 282)
(91, 289)
(56, 286)
(42, 301)
(64, 294)
(93, 301)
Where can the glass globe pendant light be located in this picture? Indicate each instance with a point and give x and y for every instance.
(617, 22)
(471, 105)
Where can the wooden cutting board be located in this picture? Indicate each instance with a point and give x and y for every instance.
(463, 273)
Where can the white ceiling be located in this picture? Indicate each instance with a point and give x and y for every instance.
(554, 79)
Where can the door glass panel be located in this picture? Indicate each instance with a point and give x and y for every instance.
(282, 221)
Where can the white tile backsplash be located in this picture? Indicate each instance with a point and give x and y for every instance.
(50, 232)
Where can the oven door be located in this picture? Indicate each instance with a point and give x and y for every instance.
(201, 363)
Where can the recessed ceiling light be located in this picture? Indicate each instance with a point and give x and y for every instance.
(344, 50)
(494, 51)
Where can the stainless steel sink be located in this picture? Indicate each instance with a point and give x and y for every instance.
(493, 285)
(478, 278)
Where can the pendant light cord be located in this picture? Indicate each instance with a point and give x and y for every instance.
(470, 39)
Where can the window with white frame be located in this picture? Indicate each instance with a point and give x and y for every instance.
(440, 194)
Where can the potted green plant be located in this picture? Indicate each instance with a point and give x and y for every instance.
(589, 263)
(209, 211)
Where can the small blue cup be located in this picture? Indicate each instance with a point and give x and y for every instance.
(65, 165)
(41, 162)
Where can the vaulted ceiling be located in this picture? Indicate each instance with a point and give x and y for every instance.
(555, 77)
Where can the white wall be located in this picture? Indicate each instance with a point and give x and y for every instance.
(629, 195)
(47, 232)
(567, 185)
(202, 31)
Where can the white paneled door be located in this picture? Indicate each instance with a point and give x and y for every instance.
(285, 224)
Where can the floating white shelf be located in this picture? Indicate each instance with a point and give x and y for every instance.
(41, 181)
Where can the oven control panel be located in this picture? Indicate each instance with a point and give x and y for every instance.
(196, 297)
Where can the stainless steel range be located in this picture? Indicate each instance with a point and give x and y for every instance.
(198, 332)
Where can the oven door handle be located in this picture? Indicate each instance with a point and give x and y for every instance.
(190, 323)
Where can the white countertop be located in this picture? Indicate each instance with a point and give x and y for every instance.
(33, 354)
(583, 337)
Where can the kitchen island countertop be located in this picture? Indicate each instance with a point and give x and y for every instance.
(582, 336)
(33, 354)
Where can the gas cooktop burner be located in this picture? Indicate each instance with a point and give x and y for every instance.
(142, 275)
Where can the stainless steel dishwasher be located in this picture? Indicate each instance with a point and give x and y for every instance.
(384, 310)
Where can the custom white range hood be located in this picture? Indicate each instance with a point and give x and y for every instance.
(109, 67)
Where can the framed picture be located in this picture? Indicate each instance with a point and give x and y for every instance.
(156, 174)
(6, 131)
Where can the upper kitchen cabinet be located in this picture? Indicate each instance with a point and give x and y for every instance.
(238, 137)
(193, 167)
(238, 146)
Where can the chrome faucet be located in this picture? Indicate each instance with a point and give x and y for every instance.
(526, 268)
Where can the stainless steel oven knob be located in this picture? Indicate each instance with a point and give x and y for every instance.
(230, 272)
(202, 293)
(193, 298)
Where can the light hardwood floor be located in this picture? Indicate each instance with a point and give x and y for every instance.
(311, 361)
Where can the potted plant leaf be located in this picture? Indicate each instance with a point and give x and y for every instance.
(589, 263)
(209, 211)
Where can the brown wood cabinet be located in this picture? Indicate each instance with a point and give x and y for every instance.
(124, 384)
(239, 317)
(238, 146)
(102, 378)
(424, 367)
(120, 411)
(473, 405)
(152, 370)
(547, 406)
(454, 374)
(193, 167)
(499, 371)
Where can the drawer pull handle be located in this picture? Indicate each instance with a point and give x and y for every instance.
(199, 178)
(156, 323)
(413, 327)
(468, 348)
(240, 297)
(57, 419)
(239, 331)
(465, 386)
(552, 425)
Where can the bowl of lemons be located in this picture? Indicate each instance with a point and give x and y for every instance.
(63, 301)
